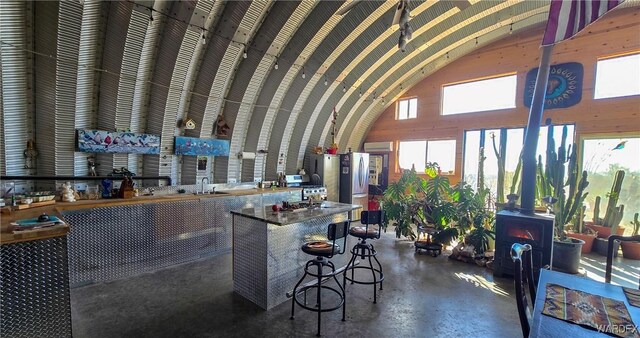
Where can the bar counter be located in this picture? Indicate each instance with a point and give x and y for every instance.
(105, 240)
(267, 260)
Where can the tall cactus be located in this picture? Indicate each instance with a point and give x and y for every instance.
(613, 213)
(636, 224)
(596, 212)
(481, 159)
(501, 157)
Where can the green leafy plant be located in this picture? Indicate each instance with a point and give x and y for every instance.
(479, 238)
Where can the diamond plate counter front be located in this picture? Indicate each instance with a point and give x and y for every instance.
(267, 260)
(117, 242)
(34, 289)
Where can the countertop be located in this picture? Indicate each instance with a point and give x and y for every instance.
(267, 215)
(59, 207)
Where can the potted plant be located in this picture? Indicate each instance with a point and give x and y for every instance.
(426, 203)
(611, 221)
(631, 250)
(582, 232)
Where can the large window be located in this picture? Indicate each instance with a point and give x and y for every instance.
(407, 109)
(601, 158)
(418, 153)
(474, 140)
(619, 76)
(482, 95)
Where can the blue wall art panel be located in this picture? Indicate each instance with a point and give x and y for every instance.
(564, 87)
(201, 146)
(100, 141)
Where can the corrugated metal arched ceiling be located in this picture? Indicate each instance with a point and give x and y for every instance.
(108, 65)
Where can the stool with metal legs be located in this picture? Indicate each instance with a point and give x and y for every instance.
(323, 250)
(366, 250)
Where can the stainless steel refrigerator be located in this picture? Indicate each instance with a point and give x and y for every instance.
(328, 168)
(354, 181)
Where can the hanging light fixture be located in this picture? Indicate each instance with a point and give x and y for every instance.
(344, 88)
(303, 74)
(360, 92)
(326, 81)
(244, 52)
(204, 38)
(276, 65)
(511, 28)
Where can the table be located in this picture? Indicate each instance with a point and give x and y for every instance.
(546, 326)
(267, 260)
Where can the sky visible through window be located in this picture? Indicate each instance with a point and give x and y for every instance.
(477, 96)
(408, 109)
(617, 77)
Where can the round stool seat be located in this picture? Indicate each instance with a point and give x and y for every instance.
(319, 248)
(362, 232)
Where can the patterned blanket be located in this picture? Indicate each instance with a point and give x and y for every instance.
(633, 296)
(591, 311)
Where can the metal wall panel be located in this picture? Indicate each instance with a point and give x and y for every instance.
(246, 110)
(168, 53)
(3, 167)
(46, 35)
(14, 85)
(331, 48)
(69, 25)
(146, 68)
(86, 82)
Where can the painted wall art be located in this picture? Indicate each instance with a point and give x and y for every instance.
(201, 146)
(101, 141)
(564, 87)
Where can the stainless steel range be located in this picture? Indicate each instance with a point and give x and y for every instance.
(313, 190)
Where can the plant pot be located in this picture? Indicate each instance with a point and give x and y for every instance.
(631, 250)
(566, 255)
(588, 241)
(605, 232)
(600, 246)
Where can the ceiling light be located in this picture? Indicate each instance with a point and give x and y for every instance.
(344, 88)
(360, 93)
(204, 39)
(276, 66)
(303, 74)
(244, 53)
(326, 82)
(511, 28)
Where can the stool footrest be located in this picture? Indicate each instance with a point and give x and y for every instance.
(378, 281)
(303, 289)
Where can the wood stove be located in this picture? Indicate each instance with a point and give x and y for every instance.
(516, 227)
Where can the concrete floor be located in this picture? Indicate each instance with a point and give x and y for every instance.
(422, 297)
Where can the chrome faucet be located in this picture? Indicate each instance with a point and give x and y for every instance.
(204, 178)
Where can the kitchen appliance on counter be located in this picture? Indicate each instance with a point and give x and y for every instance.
(314, 191)
(354, 181)
(327, 168)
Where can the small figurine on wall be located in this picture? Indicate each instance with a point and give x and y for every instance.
(67, 193)
(91, 162)
(222, 128)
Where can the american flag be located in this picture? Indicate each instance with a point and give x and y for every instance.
(568, 17)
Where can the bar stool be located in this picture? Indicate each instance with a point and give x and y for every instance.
(366, 250)
(323, 250)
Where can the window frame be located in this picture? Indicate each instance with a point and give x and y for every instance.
(595, 75)
(484, 78)
(399, 169)
(408, 99)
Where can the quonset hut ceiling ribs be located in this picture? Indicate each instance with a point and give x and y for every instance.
(90, 64)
